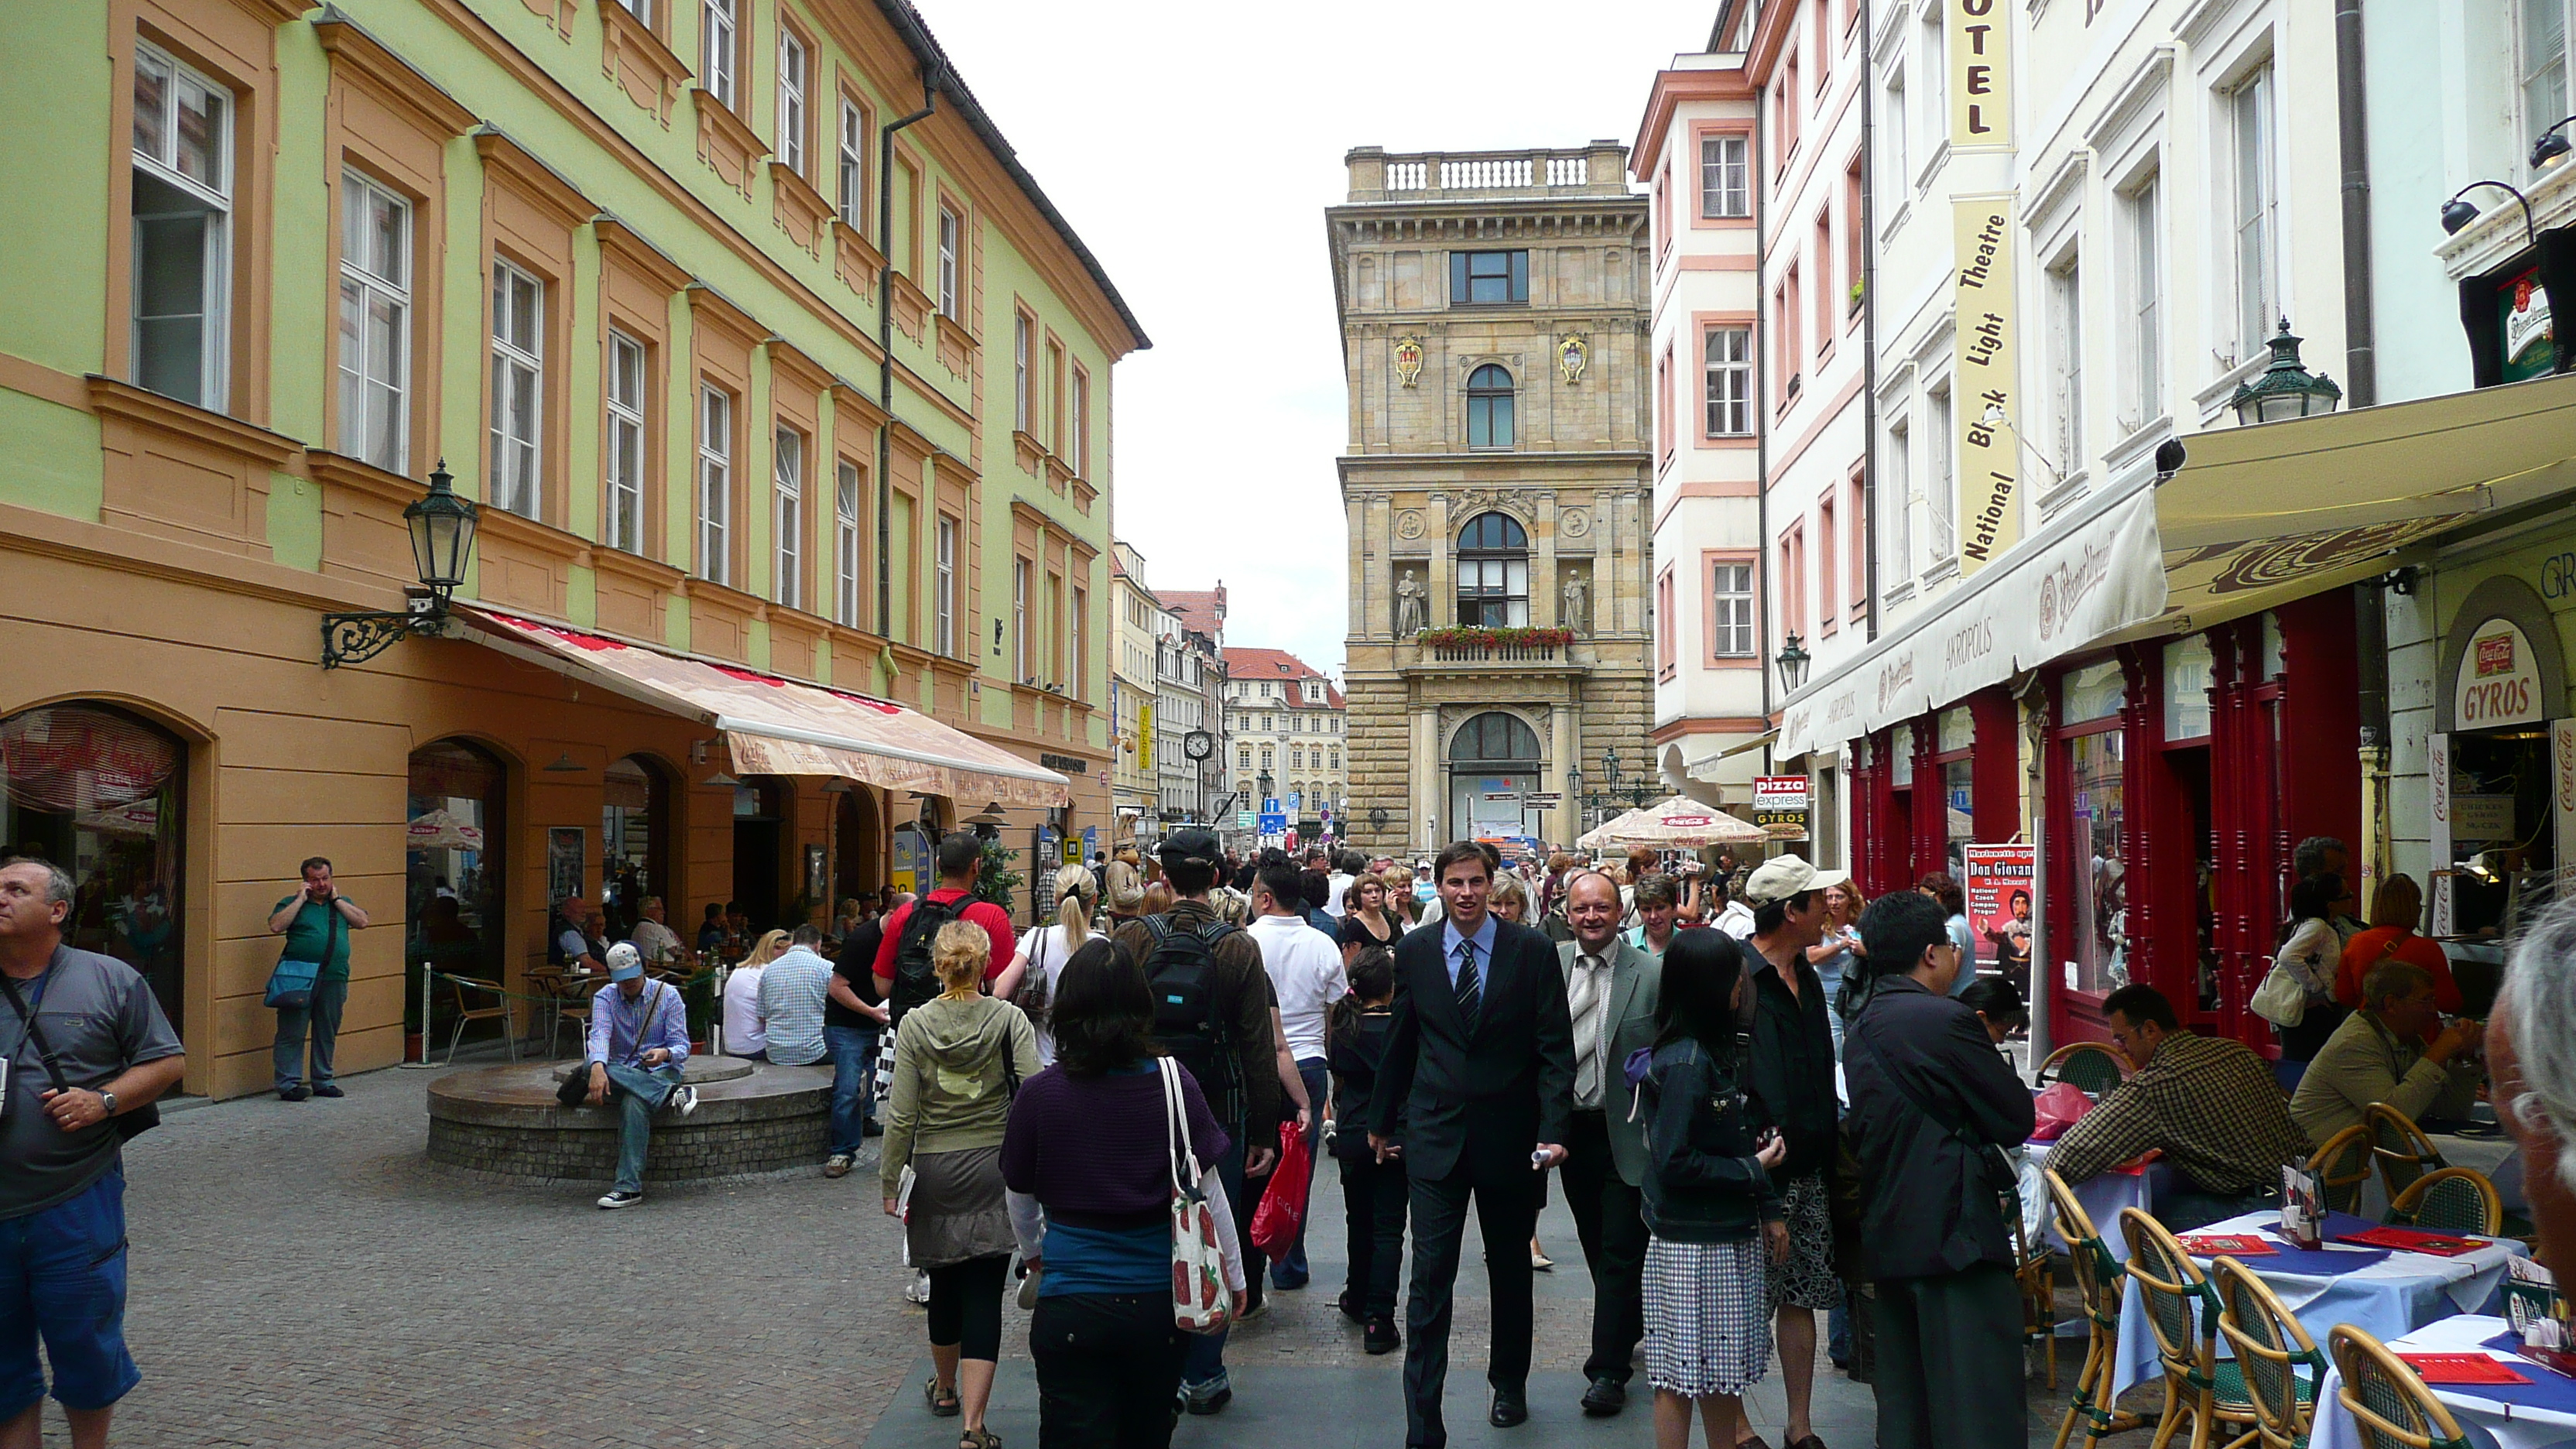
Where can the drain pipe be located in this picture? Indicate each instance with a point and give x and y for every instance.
(1761, 404)
(931, 81)
(1867, 221)
(2352, 135)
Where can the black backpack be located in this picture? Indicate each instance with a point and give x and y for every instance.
(1181, 972)
(916, 980)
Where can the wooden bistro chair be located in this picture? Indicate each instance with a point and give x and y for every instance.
(2034, 1274)
(2402, 1150)
(2343, 1165)
(2451, 1200)
(2272, 1348)
(2088, 1064)
(2390, 1407)
(467, 1012)
(2182, 1310)
(2097, 1278)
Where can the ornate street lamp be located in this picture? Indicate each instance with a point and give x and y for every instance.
(2285, 390)
(442, 540)
(1793, 661)
(1266, 782)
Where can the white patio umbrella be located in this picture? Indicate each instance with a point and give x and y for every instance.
(1679, 823)
(439, 830)
(1599, 836)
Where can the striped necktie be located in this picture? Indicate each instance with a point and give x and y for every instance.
(1471, 996)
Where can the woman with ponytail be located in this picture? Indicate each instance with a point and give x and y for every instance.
(1076, 896)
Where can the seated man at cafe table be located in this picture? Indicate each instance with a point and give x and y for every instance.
(2394, 1050)
(639, 1041)
(2209, 1105)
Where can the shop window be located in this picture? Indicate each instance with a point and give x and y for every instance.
(1954, 738)
(2092, 693)
(2189, 669)
(455, 869)
(634, 843)
(2099, 878)
(103, 795)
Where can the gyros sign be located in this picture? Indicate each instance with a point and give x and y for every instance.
(2499, 680)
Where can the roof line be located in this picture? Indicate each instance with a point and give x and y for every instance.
(925, 48)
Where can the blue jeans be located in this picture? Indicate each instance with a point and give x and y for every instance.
(1290, 1271)
(322, 1018)
(62, 1275)
(1203, 1358)
(854, 1066)
(640, 1093)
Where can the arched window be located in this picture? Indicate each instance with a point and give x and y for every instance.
(1489, 407)
(1493, 736)
(1493, 572)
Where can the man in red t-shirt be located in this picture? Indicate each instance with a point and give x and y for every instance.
(960, 856)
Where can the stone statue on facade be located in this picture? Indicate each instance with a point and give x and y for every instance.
(1410, 598)
(1578, 604)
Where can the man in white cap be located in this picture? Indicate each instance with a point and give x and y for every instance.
(639, 1041)
(1791, 1084)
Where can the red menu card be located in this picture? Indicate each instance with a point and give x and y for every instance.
(2461, 1368)
(2410, 1240)
(2235, 1245)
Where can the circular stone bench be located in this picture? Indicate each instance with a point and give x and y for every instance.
(752, 1118)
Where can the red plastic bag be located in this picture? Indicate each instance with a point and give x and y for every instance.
(2058, 1108)
(1283, 1202)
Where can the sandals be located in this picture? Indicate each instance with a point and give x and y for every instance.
(979, 1439)
(943, 1404)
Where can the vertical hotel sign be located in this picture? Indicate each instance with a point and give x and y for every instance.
(1985, 309)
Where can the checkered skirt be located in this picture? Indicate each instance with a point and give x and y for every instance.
(1708, 1328)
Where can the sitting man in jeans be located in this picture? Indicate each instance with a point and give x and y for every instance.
(639, 1040)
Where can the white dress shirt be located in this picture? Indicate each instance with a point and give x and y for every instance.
(1305, 969)
(1587, 999)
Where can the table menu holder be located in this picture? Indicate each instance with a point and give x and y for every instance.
(2538, 1313)
(2303, 1208)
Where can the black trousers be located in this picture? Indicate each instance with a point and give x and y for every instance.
(1373, 1197)
(966, 1306)
(1505, 1192)
(1950, 1367)
(1610, 1218)
(1108, 1365)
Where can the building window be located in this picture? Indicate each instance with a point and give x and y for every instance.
(1081, 422)
(1269, 757)
(375, 322)
(1856, 528)
(1055, 398)
(1785, 299)
(1484, 279)
(642, 10)
(2256, 218)
(1933, 44)
(1730, 592)
(854, 164)
(715, 485)
(1243, 757)
(625, 528)
(2142, 283)
(951, 240)
(845, 544)
(1896, 486)
(1020, 619)
(1724, 190)
(182, 230)
(787, 466)
(2541, 64)
(1728, 382)
(1824, 299)
(945, 633)
(792, 83)
(1664, 426)
(1489, 408)
(1895, 180)
(2066, 366)
(1940, 494)
(1827, 616)
(1493, 573)
(518, 387)
(1337, 757)
(1081, 679)
(716, 55)
(1020, 400)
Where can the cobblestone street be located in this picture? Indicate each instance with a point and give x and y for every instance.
(302, 1276)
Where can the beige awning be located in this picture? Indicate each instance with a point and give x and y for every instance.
(776, 726)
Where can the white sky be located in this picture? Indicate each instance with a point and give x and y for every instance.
(1194, 147)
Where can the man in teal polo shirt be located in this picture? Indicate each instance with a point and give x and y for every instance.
(316, 922)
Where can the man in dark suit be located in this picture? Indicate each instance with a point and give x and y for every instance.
(1479, 1065)
(1611, 989)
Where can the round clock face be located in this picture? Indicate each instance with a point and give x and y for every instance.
(1198, 744)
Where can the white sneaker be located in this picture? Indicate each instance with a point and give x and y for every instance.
(918, 1290)
(686, 1099)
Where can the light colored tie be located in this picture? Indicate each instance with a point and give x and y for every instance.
(1583, 999)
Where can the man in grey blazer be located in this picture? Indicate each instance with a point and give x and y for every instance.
(1610, 991)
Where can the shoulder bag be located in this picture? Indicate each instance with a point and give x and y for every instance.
(1200, 1302)
(572, 1089)
(291, 985)
(2001, 1185)
(129, 1124)
(2282, 999)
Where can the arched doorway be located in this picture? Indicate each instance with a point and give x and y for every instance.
(759, 833)
(1494, 753)
(635, 836)
(455, 870)
(101, 793)
(858, 845)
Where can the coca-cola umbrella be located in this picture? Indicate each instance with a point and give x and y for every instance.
(1680, 823)
(439, 830)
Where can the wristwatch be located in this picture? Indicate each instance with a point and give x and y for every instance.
(109, 1100)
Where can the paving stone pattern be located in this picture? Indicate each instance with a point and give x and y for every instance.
(303, 1275)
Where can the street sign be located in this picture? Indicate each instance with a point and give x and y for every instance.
(1780, 805)
(1270, 805)
(1295, 802)
(1273, 822)
(1542, 800)
(1243, 820)
(1502, 797)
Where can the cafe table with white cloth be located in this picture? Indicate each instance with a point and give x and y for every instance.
(2102, 1196)
(2536, 1415)
(2386, 1294)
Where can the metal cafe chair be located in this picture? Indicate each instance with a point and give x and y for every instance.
(2097, 1278)
(2182, 1310)
(2271, 1348)
(466, 1013)
(2390, 1406)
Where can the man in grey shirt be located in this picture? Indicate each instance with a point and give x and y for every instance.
(62, 1179)
(793, 989)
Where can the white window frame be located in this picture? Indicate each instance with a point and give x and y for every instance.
(364, 288)
(1734, 591)
(1726, 384)
(2062, 288)
(787, 521)
(1021, 402)
(952, 236)
(1896, 182)
(1081, 423)
(944, 608)
(214, 361)
(795, 84)
(518, 402)
(1020, 621)
(1896, 510)
(628, 388)
(1725, 185)
(846, 552)
(2534, 67)
(1940, 480)
(2142, 296)
(718, 54)
(2253, 209)
(854, 164)
(715, 484)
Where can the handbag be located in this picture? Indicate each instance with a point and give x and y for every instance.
(572, 1089)
(291, 985)
(2282, 999)
(1200, 1302)
(129, 1125)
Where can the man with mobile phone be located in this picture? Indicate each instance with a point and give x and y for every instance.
(317, 922)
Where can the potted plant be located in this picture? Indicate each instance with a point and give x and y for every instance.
(1490, 639)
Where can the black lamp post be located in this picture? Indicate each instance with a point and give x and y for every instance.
(442, 540)
(1266, 782)
(1793, 661)
(2285, 390)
